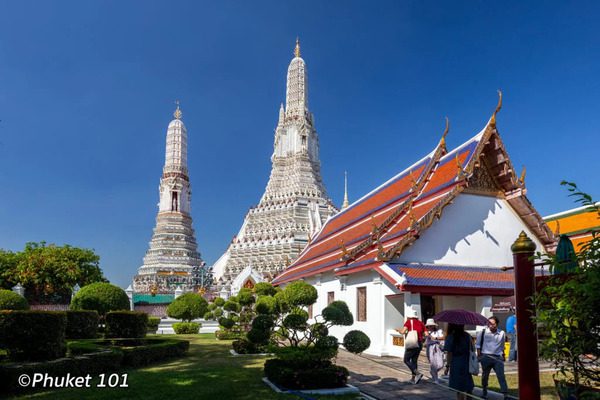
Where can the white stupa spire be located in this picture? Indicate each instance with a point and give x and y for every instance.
(345, 204)
(176, 148)
(296, 102)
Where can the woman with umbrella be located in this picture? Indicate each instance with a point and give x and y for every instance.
(458, 345)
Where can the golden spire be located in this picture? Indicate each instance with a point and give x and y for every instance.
(297, 49)
(557, 231)
(177, 114)
(345, 204)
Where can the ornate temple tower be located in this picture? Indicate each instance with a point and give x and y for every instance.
(295, 203)
(172, 260)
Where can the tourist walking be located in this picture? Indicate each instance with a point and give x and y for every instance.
(490, 351)
(458, 347)
(511, 331)
(433, 347)
(413, 343)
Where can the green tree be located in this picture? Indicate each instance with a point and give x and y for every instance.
(567, 311)
(49, 272)
(102, 297)
(187, 307)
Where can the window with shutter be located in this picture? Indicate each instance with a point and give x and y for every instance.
(330, 297)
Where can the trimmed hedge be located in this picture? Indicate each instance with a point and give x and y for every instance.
(10, 300)
(82, 324)
(356, 341)
(154, 350)
(244, 346)
(187, 307)
(153, 323)
(33, 335)
(183, 328)
(322, 376)
(228, 335)
(92, 363)
(126, 324)
(102, 297)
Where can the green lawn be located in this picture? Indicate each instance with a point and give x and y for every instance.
(546, 384)
(207, 372)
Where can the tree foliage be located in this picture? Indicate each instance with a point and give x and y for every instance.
(10, 300)
(187, 307)
(49, 272)
(567, 310)
(101, 297)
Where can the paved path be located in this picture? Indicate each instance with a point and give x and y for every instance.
(386, 378)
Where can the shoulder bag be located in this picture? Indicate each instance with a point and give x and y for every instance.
(411, 341)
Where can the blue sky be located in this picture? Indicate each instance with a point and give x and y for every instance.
(87, 90)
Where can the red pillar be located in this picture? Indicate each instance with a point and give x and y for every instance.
(527, 349)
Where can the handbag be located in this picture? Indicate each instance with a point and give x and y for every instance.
(411, 341)
(473, 361)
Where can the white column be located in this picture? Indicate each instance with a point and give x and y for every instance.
(129, 292)
(377, 288)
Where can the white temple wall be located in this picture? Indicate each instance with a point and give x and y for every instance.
(474, 230)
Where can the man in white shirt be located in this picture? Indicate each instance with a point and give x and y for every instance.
(490, 351)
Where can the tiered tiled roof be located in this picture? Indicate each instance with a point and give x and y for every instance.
(376, 228)
(578, 224)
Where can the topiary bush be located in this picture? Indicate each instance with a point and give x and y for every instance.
(33, 335)
(82, 324)
(303, 350)
(219, 301)
(153, 323)
(264, 289)
(356, 341)
(223, 334)
(101, 297)
(187, 307)
(226, 323)
(208, 316)
(183, 328)
(10, 300)
(244, 346)
(126, 324)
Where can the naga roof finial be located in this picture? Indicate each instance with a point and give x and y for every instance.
(297, 49)
(443, 139)
(498, 107)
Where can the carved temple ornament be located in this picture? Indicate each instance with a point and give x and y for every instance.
(460, 173)
(481, 181)
(344, 250)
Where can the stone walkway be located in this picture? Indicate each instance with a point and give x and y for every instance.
(386, 378)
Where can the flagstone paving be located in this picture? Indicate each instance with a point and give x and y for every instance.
(386, 378)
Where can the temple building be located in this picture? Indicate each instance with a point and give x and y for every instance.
(577, 223)
(172, 260)
(436, 236)
(294, 205)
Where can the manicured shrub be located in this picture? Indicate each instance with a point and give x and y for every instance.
(264, 289)
(266, 305)
(219, 301)
(208, 316)
(184, 328)
(325, 375)
(226, 323)
(211, 307)
(338, 313)
(263, 322)
(232, 306)
(101, 297)
(244, 346)
(295, 321)
(33, 335)
(300, 293)
(245, 297)
(223, 334)
(218, 313)
(82, 324)
(103, 362)
(154, 350)
(258, 336)
(319, 330)
(356, 341)
(187, 307)
(153, 323)
(10, 300)
(126, 324)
